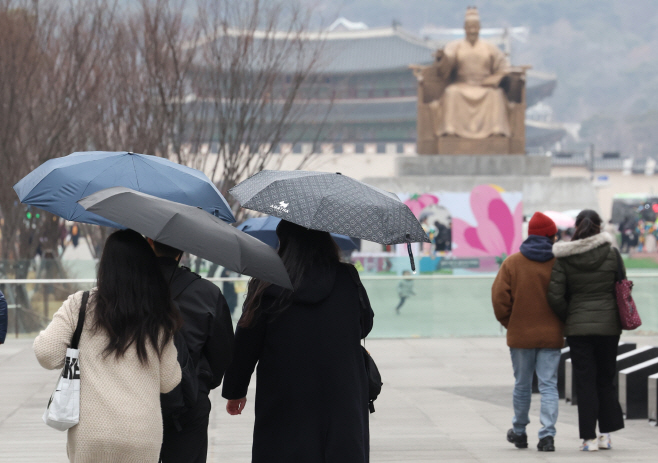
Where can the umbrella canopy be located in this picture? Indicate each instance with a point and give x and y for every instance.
(264, 228)
(59, 183)
(573, 213)
(562, 220)
(189, 229)
(331, 202)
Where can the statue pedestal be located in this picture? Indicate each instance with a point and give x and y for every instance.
(481, 164)
(490, 145)
(528, 174)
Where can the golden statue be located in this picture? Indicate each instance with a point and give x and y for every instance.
(471, 101)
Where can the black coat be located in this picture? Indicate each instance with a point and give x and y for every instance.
(207, 325)
(311, 387)
(3, 318)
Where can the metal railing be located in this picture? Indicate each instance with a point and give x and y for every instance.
(438, 305)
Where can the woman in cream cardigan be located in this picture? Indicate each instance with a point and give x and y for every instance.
(127, 355)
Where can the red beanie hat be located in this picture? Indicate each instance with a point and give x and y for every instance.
(542, 225)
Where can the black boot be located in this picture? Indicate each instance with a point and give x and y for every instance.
(546, 444)
(520, 441)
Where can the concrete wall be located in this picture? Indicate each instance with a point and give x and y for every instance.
(618, 183)
(474, 165)
(539, 193)
(561, 195)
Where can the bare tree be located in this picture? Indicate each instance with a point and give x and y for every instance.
(144, 78)
(50, 66)
(252, 82)
(140, 108)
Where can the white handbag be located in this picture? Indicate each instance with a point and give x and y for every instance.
(63, 409)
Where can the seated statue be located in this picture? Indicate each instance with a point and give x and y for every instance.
(463, 94)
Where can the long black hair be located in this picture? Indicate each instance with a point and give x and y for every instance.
(588, 223)
(299, 249)
(132, 303)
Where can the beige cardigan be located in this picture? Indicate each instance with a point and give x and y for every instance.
(120, 417)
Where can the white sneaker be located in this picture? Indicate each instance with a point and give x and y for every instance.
(590, 445)
(605, 443)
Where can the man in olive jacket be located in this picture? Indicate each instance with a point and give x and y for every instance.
(534, 332)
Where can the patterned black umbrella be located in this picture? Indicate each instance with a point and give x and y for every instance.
(333, 203)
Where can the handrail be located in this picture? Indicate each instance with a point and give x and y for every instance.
(489, 276)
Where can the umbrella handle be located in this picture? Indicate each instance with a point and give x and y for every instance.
(411, 255)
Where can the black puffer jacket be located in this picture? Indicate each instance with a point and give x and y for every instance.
(582, 287)
(207, 325)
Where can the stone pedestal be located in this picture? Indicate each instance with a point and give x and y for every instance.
(652, 389)
(487, 165)
(633, 389)
(465, 146)
(627, 356)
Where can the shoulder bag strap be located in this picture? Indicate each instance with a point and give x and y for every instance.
(81, 321)
(621, 273)
(357, 281)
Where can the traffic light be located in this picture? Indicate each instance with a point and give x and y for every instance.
(29, 214)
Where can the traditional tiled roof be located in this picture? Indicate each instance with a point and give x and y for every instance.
(374, 50)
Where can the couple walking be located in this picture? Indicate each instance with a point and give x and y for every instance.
(549, 290)
(312, 391)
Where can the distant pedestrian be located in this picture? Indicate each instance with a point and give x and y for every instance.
(442, 238)
(127, 355)
(311, 384)
(63, 234)
(405, 289)
(3, 318)
(534, 332)
(75, 235)
(228, 288)
(582, 293)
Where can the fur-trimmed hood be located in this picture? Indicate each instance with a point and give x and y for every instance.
(587, 254)
(570, 248)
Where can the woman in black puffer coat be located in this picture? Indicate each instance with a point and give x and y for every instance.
(582, 294)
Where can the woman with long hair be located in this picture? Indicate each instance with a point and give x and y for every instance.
(127, 355)
(582, 294)
(311, 387)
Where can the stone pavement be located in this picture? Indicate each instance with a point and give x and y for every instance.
(444, 400)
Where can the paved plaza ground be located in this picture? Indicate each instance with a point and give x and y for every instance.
(444, 400)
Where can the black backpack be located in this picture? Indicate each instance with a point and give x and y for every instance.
(374, 377)
(184, 396)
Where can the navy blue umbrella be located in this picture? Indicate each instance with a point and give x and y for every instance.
(57, 185)
(264, 228)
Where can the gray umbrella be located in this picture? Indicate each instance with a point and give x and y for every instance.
(190, 229)
(331, 202)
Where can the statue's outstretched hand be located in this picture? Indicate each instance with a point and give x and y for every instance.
(418, 72)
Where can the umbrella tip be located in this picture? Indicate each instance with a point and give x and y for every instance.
(338, 173)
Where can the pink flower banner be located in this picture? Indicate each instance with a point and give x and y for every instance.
(485, 222)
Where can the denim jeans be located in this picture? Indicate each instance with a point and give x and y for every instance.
(545, 362)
